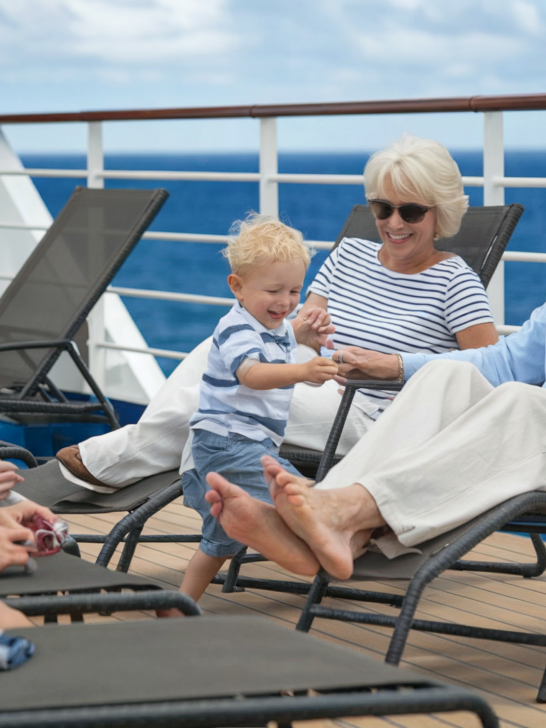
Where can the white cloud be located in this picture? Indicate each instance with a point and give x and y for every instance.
(527, 17)
(66, 54)
(119, 32)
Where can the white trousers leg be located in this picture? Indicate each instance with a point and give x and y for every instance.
(449, 448)
(156, 442)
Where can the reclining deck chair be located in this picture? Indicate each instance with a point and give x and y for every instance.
(242, 671)
(81, 583)
(51, 296)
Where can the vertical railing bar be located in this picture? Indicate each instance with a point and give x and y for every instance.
(493, 194)
(269, 190)
(96, 319)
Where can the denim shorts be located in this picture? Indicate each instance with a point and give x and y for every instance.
(236, 458)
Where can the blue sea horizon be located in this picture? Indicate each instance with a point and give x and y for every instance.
(319, 211)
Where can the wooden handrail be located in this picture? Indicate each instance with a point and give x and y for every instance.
(520, 102)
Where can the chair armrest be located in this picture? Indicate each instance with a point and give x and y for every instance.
(392, 384)
(45, 344)
(14, 452)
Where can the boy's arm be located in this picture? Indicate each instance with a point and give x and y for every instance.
(275, 376)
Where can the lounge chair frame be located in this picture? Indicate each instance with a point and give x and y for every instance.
(357, 687)
(94, 204)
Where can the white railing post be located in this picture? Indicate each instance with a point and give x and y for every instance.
(96, 319)
(269, 191)
(493, 166)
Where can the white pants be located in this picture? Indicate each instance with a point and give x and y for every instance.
(449, 448)
(156, 442)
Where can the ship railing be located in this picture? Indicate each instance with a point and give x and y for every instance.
(493, 181)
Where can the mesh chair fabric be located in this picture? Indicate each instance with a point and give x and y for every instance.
(68, 271)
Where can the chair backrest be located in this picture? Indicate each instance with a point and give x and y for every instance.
(67, 273)
(481, 241)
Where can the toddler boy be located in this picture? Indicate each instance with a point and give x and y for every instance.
(248, 384)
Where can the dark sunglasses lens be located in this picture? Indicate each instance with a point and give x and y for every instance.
(411, 213)
(381, 210)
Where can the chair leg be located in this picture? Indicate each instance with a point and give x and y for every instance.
(540, 550)
(316, 595)
(528, 571)
(129, 549)
(541, 696)
(230, 584)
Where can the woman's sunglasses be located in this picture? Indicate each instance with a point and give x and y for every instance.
(411, 212)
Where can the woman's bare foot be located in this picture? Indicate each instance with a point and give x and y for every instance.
(259, 526)
(335, 524)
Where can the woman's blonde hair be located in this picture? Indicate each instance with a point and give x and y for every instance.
(423, 171)
(260, 239)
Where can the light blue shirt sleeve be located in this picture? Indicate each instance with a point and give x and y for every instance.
(520, 357)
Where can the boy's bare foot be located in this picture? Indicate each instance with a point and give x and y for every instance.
(259, 526)
(71, 458)
(335, 524)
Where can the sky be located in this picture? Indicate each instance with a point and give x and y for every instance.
(74, 55)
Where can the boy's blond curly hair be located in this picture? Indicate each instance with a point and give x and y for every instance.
(260, 239)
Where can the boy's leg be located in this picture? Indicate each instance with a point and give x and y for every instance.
(199, 573)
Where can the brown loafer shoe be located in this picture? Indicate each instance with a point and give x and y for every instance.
(72, 460)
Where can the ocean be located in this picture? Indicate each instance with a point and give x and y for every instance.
(317, 210)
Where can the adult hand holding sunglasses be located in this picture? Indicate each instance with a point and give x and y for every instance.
(410, 212)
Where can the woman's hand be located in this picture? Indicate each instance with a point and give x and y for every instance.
(12, 550)
(313, 327)
(365, 364)
(22, 514)
(8, 478)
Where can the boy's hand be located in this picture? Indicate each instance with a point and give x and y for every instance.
(319, 370)
(313, 327)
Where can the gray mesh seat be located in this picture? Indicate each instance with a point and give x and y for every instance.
(209, 671)
(81, 585)
(51, 296)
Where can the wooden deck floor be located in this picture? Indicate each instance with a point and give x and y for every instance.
(506, 675)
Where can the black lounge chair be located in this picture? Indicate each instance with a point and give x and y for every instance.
(438, 555)
(81, 584)
(240, 673)
(53, 293)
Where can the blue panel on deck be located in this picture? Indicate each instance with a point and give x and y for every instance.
(45, 440)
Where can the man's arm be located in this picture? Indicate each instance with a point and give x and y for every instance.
(520, 357)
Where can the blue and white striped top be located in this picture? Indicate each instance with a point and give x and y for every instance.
(227, 406)
(375, 308)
